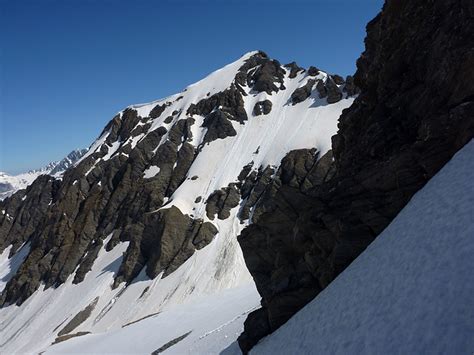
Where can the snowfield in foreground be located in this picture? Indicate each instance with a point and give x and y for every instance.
(205, 326)
(410, 292)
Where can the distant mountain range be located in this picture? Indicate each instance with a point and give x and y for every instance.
(9, 184)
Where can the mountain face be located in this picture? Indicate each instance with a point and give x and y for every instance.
(9, 184)
(149, 216)
(415, 110)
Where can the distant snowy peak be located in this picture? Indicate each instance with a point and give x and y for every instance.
(9, 184)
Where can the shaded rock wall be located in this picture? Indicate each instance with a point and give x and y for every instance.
(415, 110)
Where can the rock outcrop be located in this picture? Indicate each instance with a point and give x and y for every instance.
(414, 111)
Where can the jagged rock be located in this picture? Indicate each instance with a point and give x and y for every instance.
(262, 108)
(157, 111)
(221, 201)
(252, 189)
(321, 89)
(261, 74)
(350, 86)
(337, 79)
(218, 126)
(294, 69)
(79, 318)
(162, 242)
(302, 93)
(334, 94)
(313, 71)
(413, 113)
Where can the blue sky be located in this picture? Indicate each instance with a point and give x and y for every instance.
(68, 66)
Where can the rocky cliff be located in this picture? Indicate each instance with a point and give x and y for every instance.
(415, 110)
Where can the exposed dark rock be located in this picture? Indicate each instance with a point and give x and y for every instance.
(313, 71)
(337, 79)
(218, 110)
(79, 318)
(261, 74)
(162, 242)
(69, 336)
(198, 199)
(262, 108)
(302, 93)
(350, 88)
(334, 94)
(168, 119)
(321, 89)
(157, 111)
(221, 201)
(252, 189)
(294, 69)
(413, 113)
(170, 343)
(218, 126)
(245, 171)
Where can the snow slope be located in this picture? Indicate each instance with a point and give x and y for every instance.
(410, 292)
(196, 291)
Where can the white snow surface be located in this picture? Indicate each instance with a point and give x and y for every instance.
(21, 181)
(410, 292)
(214, 285)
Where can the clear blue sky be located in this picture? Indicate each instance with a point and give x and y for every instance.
(68, 66)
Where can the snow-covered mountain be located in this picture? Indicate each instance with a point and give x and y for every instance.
(144, 225)
(403, 294)
(9, 184)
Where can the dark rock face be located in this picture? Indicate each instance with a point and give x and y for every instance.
(261, 74)
(79, 318)
(218, 110)
(350, 88)
(414, 111)
(334, 94)
(313, 71)
(221, 201)
(302, 93)
(262, 108)
(294, 69)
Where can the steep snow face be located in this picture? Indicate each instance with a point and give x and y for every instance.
(410, 291)
(223, 139)
(9, 184)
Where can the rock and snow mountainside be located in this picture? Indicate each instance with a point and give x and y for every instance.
(148, 219)
(410, 291)
(9, 184)
(414, 112)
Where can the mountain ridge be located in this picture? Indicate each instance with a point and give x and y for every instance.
(165, 189)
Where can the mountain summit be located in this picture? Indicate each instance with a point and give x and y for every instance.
(149, 216)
